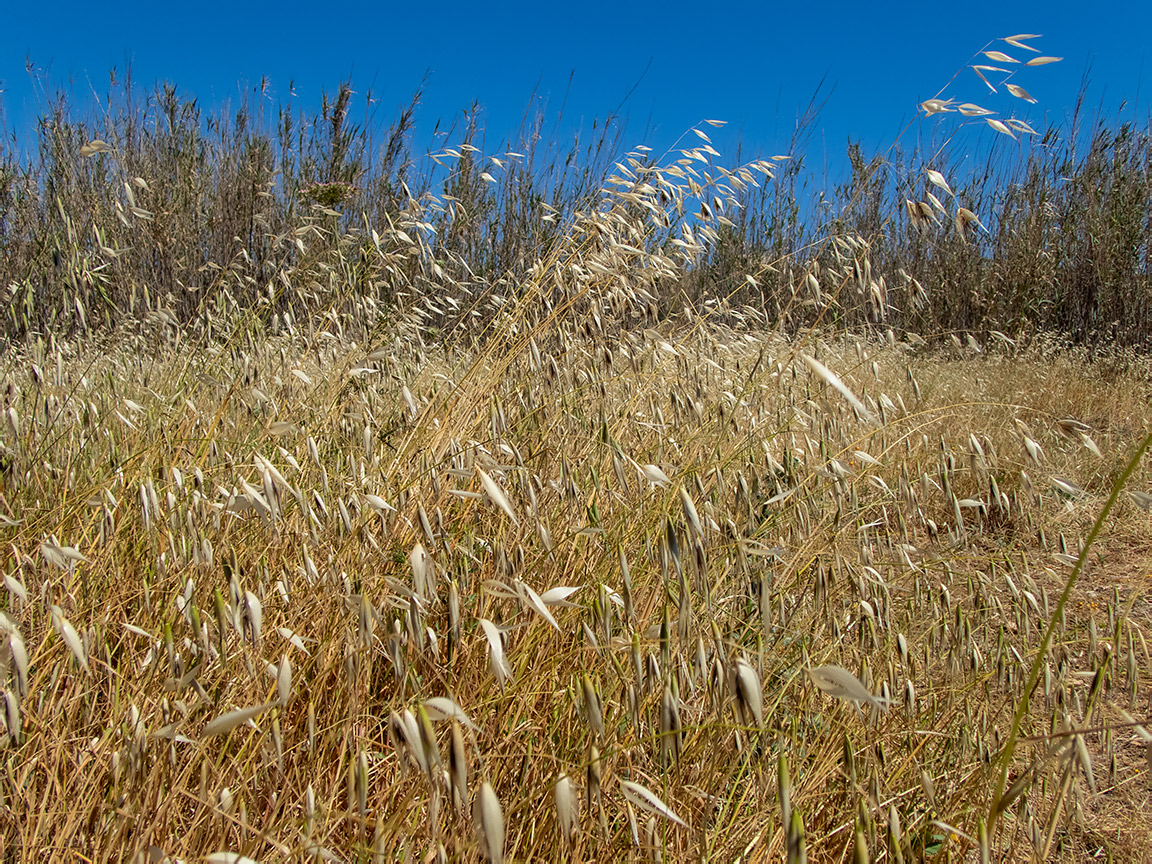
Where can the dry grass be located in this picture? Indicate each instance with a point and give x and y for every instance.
(152, 206)
(399, 565)
(158, 469)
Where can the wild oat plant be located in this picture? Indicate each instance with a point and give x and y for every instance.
(400, 564)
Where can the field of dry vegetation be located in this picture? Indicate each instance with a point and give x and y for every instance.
(579, 510)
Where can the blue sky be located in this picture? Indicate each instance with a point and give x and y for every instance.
(669, 65)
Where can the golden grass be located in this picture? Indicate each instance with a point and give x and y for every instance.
(568, 565)
(267, 599)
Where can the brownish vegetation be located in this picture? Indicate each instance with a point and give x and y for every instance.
(473, 530)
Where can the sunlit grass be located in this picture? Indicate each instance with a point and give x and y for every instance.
(375, 555)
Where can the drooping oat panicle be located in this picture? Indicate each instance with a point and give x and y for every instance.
(286, 402)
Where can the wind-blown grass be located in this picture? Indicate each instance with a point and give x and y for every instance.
(387, 557)
(157, 208)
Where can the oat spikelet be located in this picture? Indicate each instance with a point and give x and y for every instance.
(649, 801)
(828, 377)
(654, 475)
(690, 514)
(284, 681)
(496, 495)
(536, 603)
(70, 636)
(842, 684)
(489, 821)
(458, 767)
(225, 723)
(748, 691)
(443, 708)
(565, 809)
(501, 668)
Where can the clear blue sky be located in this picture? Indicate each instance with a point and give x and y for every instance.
(671, 64)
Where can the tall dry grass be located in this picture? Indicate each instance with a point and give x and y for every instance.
(158, 206)
(402, 555)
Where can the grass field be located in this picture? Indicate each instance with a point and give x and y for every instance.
(333, 538)
(355, 550)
